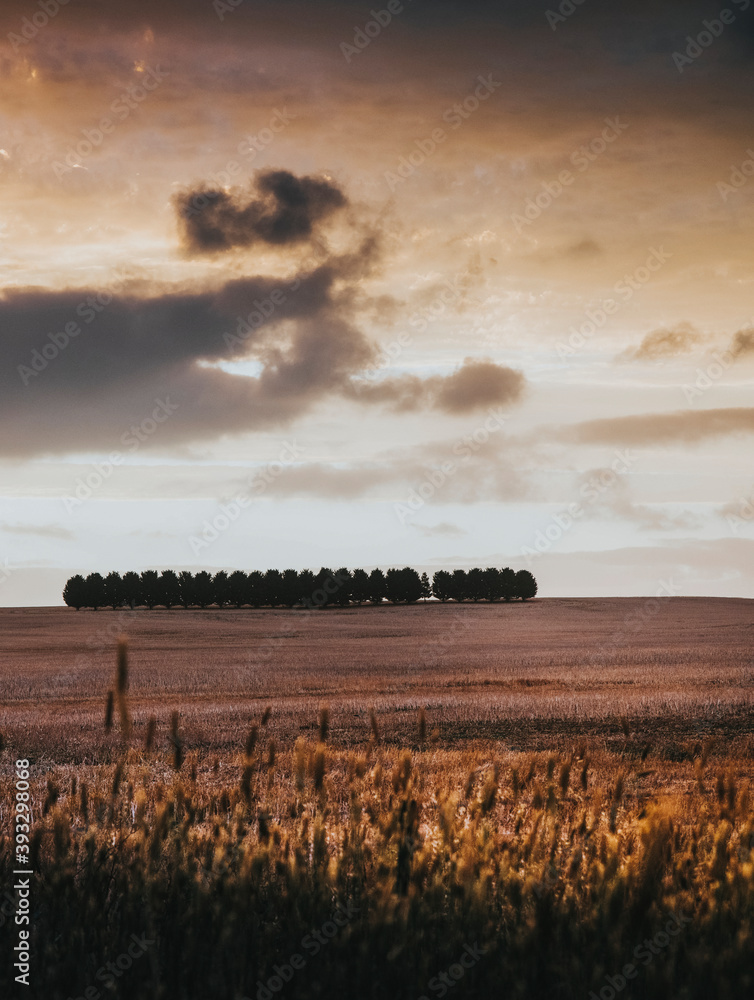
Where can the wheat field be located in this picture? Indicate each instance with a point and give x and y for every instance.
(544, 800)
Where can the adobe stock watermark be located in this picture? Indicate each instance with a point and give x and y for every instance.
(362, 37)
(132, 440)
(6, 571)
(441, 984)
(711, 29)
(581, 158)
(420, 320)
(590, 492)
(57, 341)
(744, 514)
(223, 7)
(31, 26)
(645, 953)
(230, 512)
(454, 116)
(249, 147)
(625, 289)
(464, 449)
(109, 974)
(450, 295)
(738, 177)
(722, 361)
(121, 109)
(312, 944)
(635, 621)
(566, 9)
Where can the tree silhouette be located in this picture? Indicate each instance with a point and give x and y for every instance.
(526, 585)
(359, 586)
(204, 590)
(186, 586)
(75, 593)
(377, 586)
(293, 589)
(220, 589)
(150, 588)
(508, 577)
(237, 588)
(306, 585)
(169, 589)
(273, 588)
(475, 589)
(113, 590)
(403, 586)
(95, 591)
(442, 585)
(131, 589)
(255, 588)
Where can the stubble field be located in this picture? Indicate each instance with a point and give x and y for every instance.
(544, 785)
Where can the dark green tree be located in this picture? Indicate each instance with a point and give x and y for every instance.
(255, 588)
(273, 587)
(526, 585)
(132, 589)
(377, 586)
(359, 586)
(508, 584)
(186, 584)
(493, 584)
(221, 590)
(442, 585)
(113, 590)
(306, 585)
(475, 589)
(459, 587)
(94, 591)
(204, 589)
(237, 588)
(169, 589)
(74, 592)
(150, 587)
(344, 582)
(426, 587)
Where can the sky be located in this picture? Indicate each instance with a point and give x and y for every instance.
(442, 284)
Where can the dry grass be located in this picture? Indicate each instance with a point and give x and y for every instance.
(499, 790)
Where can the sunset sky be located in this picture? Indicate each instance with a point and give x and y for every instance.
(460, 284)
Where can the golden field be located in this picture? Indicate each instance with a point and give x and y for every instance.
(545, 799)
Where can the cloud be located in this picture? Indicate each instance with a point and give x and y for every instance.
(664, 343)
(280, 209)
(476, 385)
(610, 495)
(743, 342)
(684, 427)
(443, 528)
(41, 530)
(87, 366)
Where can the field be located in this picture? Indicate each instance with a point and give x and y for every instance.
(444, 799)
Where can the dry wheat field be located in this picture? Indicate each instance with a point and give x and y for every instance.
(542, 800)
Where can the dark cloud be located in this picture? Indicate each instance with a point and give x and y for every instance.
(476, 385)
(279, 209)
(86, 366)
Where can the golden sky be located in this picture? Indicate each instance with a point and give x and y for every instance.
(449, 284)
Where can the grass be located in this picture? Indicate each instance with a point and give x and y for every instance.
(538, 820)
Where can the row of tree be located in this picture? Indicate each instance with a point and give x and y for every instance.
(291, 588)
